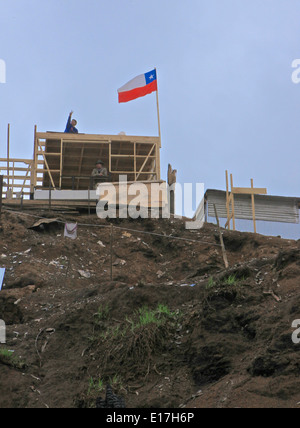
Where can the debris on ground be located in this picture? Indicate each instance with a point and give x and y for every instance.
(173, 329)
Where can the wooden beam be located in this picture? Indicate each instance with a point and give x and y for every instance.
(8, 153)
(146, 160)
(232, 202)
(27, 161)
(95, 138)
(241, 191)
(249, 191)
(135, 157)
(221, 240)
(47, 168)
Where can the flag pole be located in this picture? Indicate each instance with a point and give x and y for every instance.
(158, 116)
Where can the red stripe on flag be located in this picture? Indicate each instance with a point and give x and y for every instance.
(126, 96)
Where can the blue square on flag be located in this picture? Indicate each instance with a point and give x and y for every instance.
(150, 76)
(140, 86)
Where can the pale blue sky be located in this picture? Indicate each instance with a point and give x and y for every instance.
(226, 96)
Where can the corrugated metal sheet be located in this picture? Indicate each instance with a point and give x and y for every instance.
(267, 208)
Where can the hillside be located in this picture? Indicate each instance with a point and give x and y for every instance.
(174, 327)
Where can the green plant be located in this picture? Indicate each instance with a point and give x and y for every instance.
(99, 385)
(211, 283)
(230, 280)
(95, 386)
(7, 357)
(102, 314)
(115, 381)
(5, 353)
(145, 316)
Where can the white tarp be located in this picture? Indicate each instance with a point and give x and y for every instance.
(71, 230)
(2, 273)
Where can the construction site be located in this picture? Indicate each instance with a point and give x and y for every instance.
(168, 317)
(62, 163)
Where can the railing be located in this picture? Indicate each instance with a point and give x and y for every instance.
(17, 176)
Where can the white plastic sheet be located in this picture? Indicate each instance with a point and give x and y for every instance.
(2, 273)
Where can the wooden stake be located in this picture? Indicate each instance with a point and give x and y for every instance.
(253, 207)
(227, 200)
(232, 202)
(111, 252)
(1, 191)
(8, 154)
(222, 241)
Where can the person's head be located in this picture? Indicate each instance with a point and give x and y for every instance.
(99, 164)
(74, 122)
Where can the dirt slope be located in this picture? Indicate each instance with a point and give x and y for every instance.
(173, 328)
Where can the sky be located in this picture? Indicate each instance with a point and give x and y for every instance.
(226, 97)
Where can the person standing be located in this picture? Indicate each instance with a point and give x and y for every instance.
(99, 173)
(71, 125)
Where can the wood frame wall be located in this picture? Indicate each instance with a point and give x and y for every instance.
(137, 157)
(57, 157)
(240, 190)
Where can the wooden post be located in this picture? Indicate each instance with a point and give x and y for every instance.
(33, 173)
(227, 200)
(241, 191)
(172, 178)
(50, 196)
(253, 206)
(61, 162)
(232, 202)
(221, 240)
(111, 252)
(1, 191)
(8, 155)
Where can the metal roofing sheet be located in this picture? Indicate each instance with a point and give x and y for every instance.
(267, 208)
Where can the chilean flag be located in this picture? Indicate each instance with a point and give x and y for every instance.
(140, 86)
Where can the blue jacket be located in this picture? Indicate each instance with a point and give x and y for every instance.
(69, 128)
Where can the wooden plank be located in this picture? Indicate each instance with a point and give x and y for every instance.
(27, 161)
(157, 161)
(134, 167)
(221, 240)
(232, 202)
(48, 154)
(8, 154)
(227, 201)
(48, 170)
(249, 191)
(146, 160)
(133, 156)
(95, 138)
(253, 206)
(16, 169)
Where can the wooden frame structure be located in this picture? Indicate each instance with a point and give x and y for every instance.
(240, 190)
(59, 156)
(64, 161)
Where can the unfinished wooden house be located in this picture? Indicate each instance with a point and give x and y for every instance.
(62, 165)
